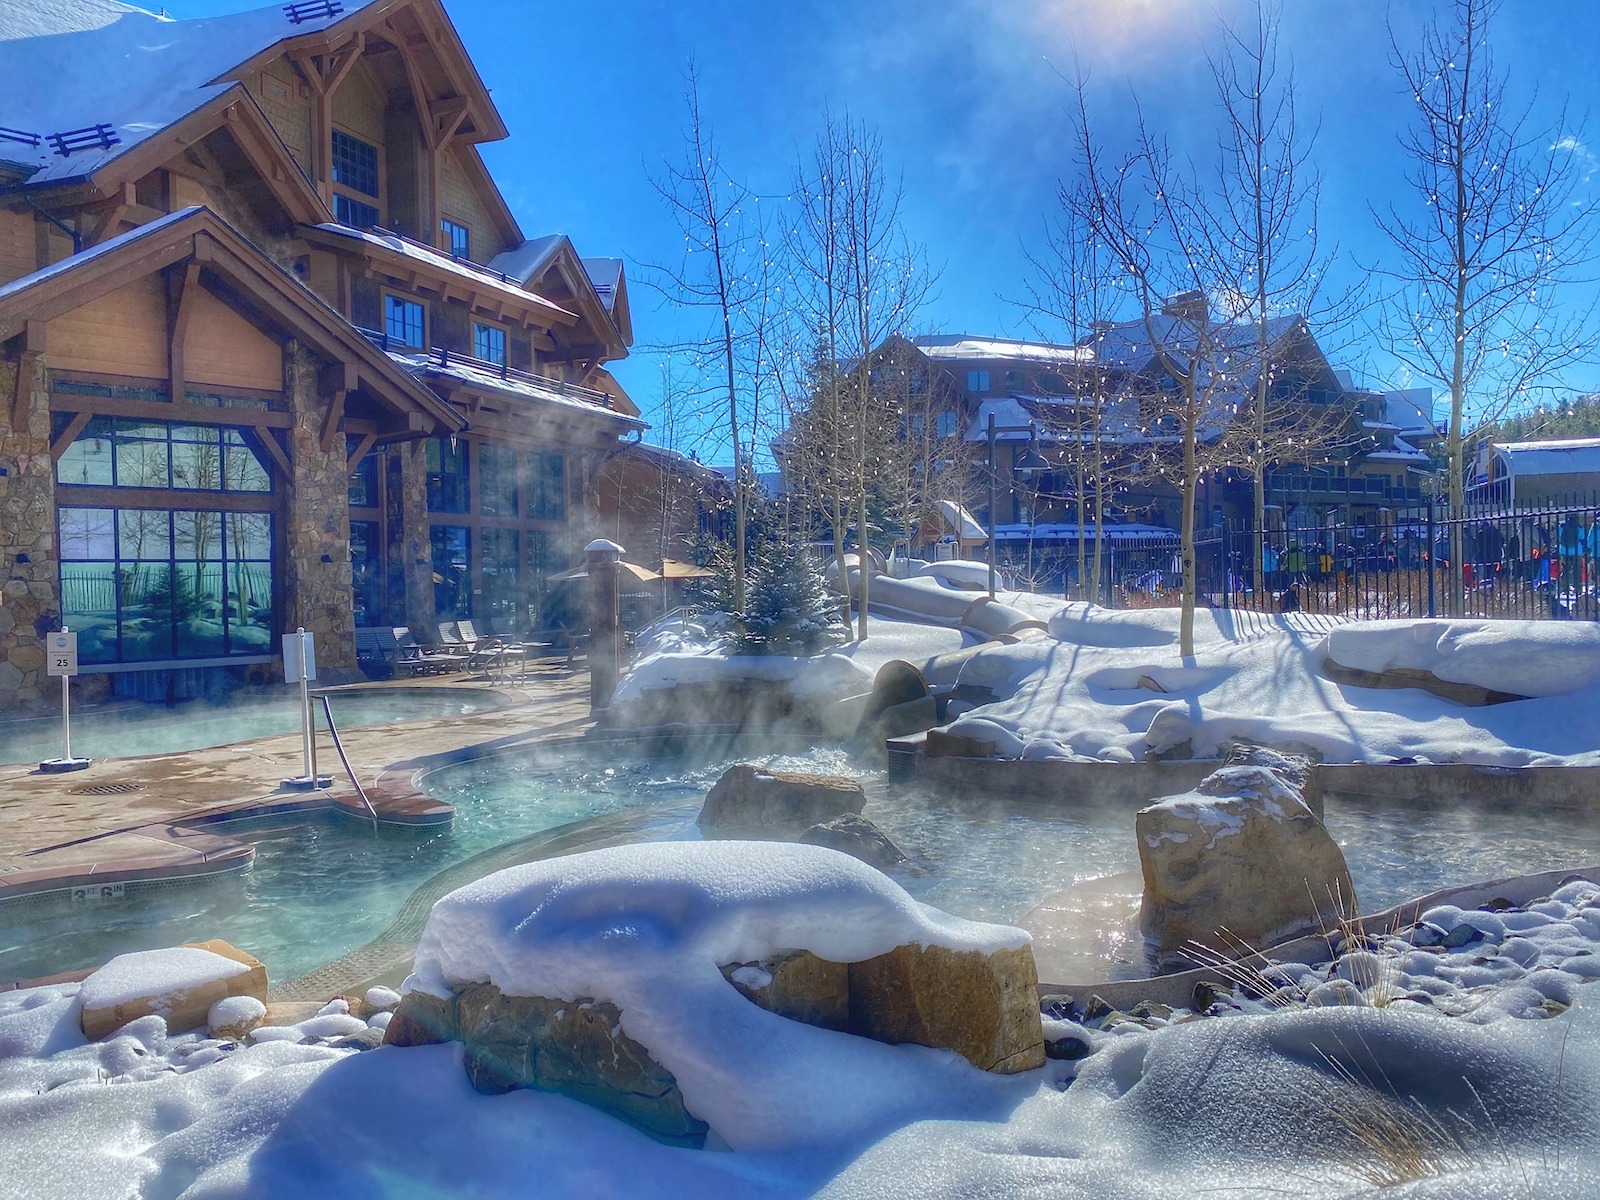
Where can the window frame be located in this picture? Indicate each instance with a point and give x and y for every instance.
(447, 230)
(505, 341)
(375, 200)
(388, 294)
(978, 381)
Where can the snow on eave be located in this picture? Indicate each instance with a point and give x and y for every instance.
(425, 366)
(480, 277)
(138, 73)
(75, 261)
(954, 347)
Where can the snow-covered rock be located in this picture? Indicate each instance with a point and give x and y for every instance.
(179, 985)
(647, 930)
(761, 802)
(232, 1018)
(1241, 861)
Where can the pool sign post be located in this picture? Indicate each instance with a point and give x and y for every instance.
(61, 660)
(300, 666)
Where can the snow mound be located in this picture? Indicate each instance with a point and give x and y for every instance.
(959, 573)
(154, 973)
(1534, 658)
(1090, 625)
(648, 927)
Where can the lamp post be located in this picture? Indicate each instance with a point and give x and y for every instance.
(1031, 464)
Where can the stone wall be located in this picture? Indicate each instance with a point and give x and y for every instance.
(316, 539)
(29, 605)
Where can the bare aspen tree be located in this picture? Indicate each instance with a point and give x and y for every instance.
(859, 280)
(1145, 210)
(724, 271)
(1073, 293)
(1494, 233)
(1265, 230)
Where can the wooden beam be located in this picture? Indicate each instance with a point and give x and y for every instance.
(338, 381)
(360, 452)
(162, 410)
(269, 443)
(182, 293)
(69, 434)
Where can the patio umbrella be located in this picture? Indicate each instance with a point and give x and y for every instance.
(673, 569)
(642, 574)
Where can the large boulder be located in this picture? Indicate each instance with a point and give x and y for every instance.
(799, 986)
(858, 837)
(574, 1048)
(985, 1007)
(750, 800)
(1297, 770)
(180, 985)
(1241, 861)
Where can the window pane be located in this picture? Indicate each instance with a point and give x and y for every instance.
(366, 581)
(403, 321)
(548, 499)
(457, 237)
(363, 491)
(355, 163)
(144, 534)
(87, 533)
(141, 454)
(502, 597)
(452, 576)
(152, 593)
(354, 213)
(200, 614)
(88, 459)
(489, 344)
(89, 608)
(497, 487)
(196, 461)
(197, 535)
(447, 476)
(243, 469)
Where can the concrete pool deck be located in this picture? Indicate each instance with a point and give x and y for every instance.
(130, 819)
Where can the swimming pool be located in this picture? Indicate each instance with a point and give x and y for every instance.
(126, 730)
(324, 888)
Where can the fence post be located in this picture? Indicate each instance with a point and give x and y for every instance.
(1432, 555)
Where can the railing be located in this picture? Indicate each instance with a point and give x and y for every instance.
(1530, 562)
(444, 359)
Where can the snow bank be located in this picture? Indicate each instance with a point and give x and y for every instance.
(1523, 658)
(648, 927)
(842, 672)
(1110, 685)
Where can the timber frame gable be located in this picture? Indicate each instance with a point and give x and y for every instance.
(368, 394)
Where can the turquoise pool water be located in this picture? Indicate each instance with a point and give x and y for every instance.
(322, 889)
(126, 730)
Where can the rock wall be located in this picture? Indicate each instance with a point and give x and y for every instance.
(317, 524)
(29, 564)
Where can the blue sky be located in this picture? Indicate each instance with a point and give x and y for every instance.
(969, 98)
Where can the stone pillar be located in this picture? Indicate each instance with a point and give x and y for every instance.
(30, 566)
(410, 598)
(605, 627)
(317, 578)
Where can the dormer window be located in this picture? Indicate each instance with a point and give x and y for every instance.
(457, 239)
(356, 174)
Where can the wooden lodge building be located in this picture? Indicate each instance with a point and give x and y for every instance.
(273, 350)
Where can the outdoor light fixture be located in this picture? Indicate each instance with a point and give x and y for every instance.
(1028, 466)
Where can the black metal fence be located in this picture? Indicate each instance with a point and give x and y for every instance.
(1539, 561)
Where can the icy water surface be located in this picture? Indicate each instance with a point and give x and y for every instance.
(128, 730)
(323, 888)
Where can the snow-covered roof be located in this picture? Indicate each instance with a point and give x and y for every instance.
(605, 274)
(1050, 531)
(76, 64)
(1571, 456)
(950, 347)
(485, 278)
(523, 262)
(1130, 346)
(1412, 410)
(524, 387)
(961, 522)
(1400, 451)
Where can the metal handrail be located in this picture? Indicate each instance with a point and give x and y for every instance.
(338, 744)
